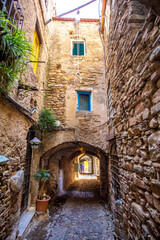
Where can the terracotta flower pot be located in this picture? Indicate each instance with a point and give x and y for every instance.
(42, 204)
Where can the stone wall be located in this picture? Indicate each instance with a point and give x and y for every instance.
(13, 133)
(14, 125)
(69, 173)
(67, 75)
(38, 15)
(133, 71)
(64, 82)
(62, 173)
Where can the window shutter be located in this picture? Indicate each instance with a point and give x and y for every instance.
(81, 49)
(35, 51)
(74, 48)
(80, 102)
(78, 48)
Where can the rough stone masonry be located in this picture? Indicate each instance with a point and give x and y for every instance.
(133, 73)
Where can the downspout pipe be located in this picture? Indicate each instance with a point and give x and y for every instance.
(103, 15)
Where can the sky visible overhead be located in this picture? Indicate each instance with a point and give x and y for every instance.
(90, 11)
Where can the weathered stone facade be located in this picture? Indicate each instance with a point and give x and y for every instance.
(130, 136)
(69, 74)
(13, 146)
(133, 72)
(65, 79)
(15, 118)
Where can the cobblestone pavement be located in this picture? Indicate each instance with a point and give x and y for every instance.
(79, 218)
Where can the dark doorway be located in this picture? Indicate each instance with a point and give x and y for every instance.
(25, 191)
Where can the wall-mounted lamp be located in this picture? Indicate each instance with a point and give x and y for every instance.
(35, 142)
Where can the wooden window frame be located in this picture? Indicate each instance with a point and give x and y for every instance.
(78, 100)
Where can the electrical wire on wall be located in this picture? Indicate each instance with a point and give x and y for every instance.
(76, 9)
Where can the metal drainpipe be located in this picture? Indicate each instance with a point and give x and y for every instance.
(103, 15)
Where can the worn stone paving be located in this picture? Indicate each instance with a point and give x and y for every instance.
(83, 218)
(79, 218)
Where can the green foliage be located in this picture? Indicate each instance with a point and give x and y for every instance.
(47, 121)
(15, 51)
(42, 175)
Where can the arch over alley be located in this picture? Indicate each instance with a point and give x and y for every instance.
(63, 160)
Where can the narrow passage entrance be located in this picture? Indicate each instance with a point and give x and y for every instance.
(73, 161)
(79, 174)
(82, 216)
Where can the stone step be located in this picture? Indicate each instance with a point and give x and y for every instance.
(25, 220)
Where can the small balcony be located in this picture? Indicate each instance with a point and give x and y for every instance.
(13, 11)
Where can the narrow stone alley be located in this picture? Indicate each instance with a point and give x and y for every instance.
(79, 119)
(82, 215)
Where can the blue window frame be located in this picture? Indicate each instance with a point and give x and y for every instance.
(84, 101)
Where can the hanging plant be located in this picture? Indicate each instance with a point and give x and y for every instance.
(15, 51)
(47, 121)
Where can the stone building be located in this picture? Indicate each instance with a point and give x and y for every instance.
(67, 76)
(76, 95)
(132, 78)
(104, 91)
(18, 115)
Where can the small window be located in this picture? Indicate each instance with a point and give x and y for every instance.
(78, 48)
(84, 101)
(35, 51)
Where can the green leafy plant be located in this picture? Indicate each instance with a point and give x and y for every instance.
(15, 51)
(47, 121)
(42, 176)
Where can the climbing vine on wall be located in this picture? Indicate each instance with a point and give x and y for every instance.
(15, 51)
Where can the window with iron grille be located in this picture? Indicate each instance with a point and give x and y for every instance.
(13, 11)
(110, 107)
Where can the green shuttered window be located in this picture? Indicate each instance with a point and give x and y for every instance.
(78, 48)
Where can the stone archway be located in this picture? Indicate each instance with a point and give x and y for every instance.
(60, 160)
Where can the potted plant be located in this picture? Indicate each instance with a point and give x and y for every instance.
(42, 176)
